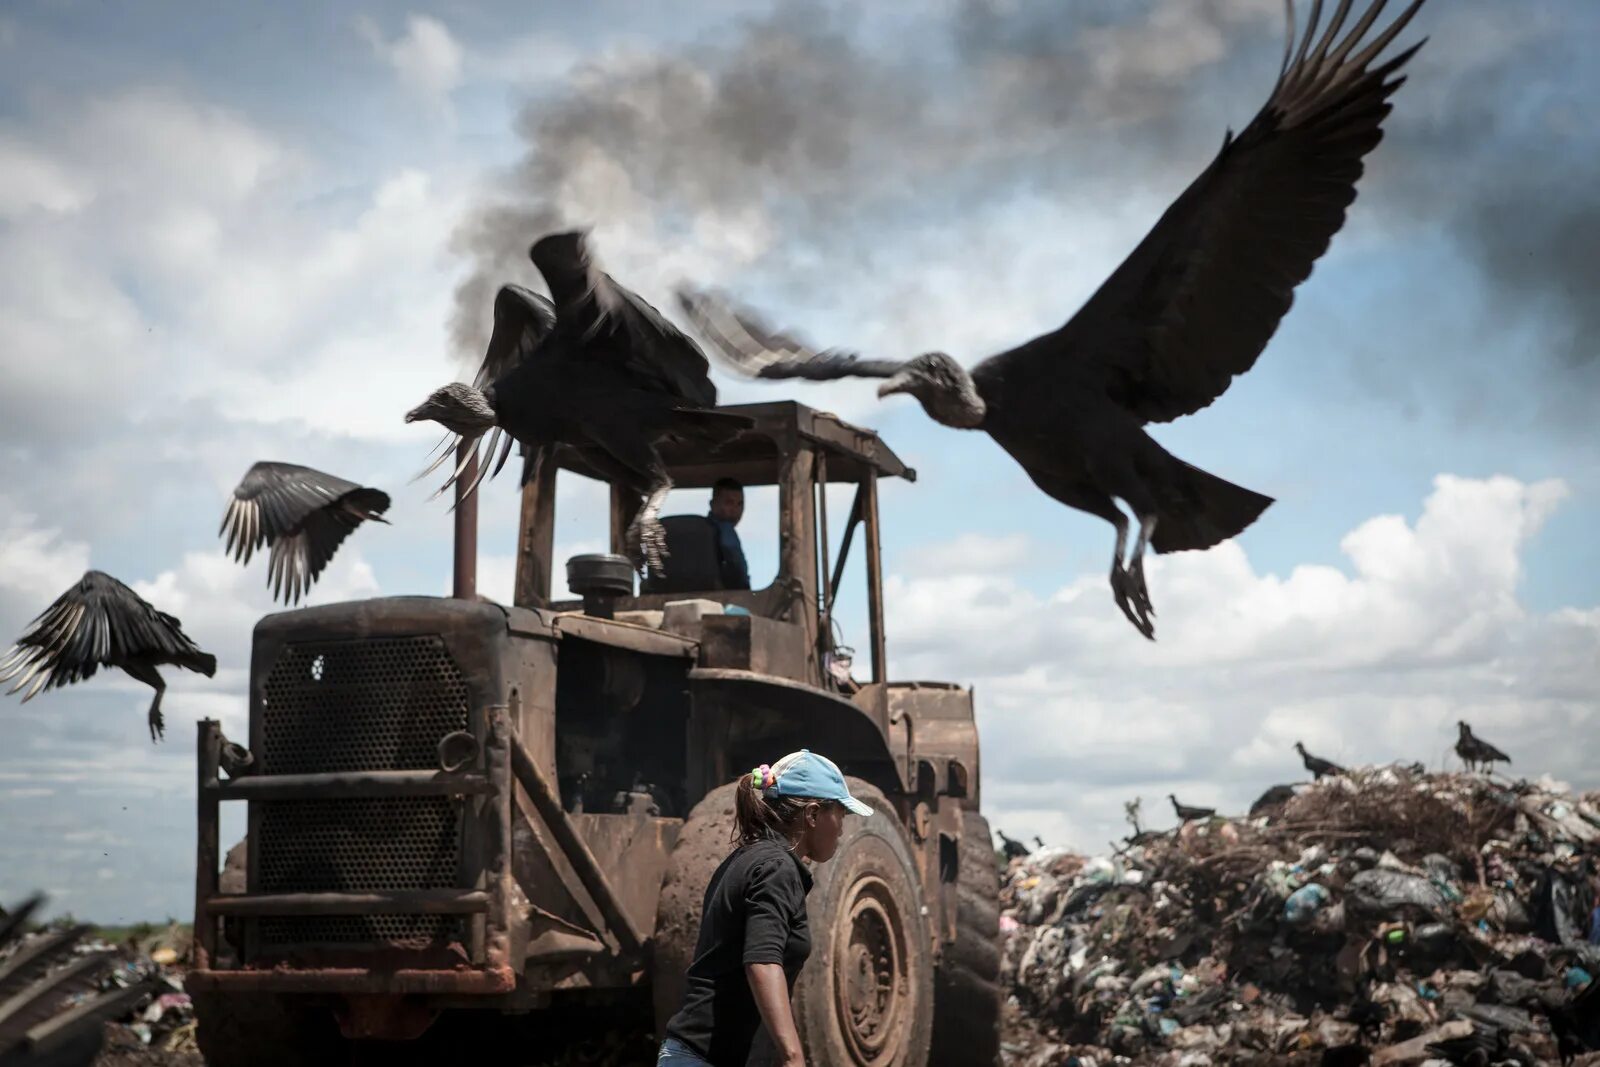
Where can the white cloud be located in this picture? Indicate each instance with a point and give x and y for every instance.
(1078, 713)
(36, 564)
(426, 57)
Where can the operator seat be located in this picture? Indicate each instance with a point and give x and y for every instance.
(693, 562)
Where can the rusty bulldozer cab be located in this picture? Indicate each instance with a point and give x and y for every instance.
(457, 806)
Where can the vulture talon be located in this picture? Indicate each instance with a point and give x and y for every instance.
(1122, 589)
(647, 545)
(1138, 588)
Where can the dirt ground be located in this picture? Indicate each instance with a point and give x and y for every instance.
(1022, 1044)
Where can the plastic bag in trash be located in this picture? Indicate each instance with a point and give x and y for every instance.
(1304, 903)
(1384, 893)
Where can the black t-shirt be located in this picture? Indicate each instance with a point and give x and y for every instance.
(754, 912)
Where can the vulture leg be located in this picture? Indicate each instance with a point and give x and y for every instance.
(646, 536)
(1123, 586)
(1087, 499)
(151, 677)
(1147, 528)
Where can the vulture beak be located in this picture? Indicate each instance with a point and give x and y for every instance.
(900, 383)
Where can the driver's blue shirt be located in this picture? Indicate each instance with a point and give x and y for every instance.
(733, 564)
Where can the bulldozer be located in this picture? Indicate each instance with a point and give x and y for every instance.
(464, 815)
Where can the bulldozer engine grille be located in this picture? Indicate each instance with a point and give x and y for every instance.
(375, 704)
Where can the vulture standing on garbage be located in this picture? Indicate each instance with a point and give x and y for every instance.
(1316, 764)
(1476, 752)
(1191, 307)
(1188, 814)
(99, 622)
(304, 514)
(1012, 849)
(595, 368)
(51, 1011)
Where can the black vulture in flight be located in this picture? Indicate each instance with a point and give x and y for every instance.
(595, 368)
(1190, 308)
(51, 1013)
(1316, 764)
(304, 514)
(1188, 814)
(1476, 752)
(101, 622)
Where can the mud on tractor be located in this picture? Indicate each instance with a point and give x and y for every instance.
(458, 809)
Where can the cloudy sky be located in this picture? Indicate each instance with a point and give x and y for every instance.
(232, 233)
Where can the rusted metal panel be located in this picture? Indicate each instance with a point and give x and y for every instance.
(399, 902)
(536, 540)
(502, 929)
(633, 850)
(465, 981)
(737, 709)
(576, 850)
(751, 643)
(207, 849)
(353, 784)
(880, 661)
(625, 635)
(943, 732)
(465, 584)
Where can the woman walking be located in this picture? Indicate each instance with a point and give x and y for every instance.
(753, 931)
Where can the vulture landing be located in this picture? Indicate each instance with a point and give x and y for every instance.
(304, 514)
(100, 622)
(1191, 307)
(594, 368)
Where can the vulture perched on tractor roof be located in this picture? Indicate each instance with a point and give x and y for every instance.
(1190, 308)
(304, 514)
(594, 367)
(100, 622)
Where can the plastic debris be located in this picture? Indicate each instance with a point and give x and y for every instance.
(1371, 915)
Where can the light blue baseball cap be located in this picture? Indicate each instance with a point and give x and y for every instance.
(813, 777)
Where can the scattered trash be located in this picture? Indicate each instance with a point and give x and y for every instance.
(1380, 916)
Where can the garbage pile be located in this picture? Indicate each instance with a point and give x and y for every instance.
(1385, 916)
(164, 1021)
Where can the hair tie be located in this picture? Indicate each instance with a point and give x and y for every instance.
(762, 778)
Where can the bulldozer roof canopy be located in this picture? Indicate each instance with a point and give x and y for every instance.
(755, 457)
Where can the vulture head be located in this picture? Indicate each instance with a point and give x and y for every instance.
(942, 386)
(458, 408)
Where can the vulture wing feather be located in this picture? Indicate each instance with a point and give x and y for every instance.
(1197, 301)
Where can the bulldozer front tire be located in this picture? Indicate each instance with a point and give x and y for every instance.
(865, 998)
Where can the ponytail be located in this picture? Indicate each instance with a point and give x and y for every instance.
(757, 816)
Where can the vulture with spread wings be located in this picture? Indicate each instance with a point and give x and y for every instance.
(595, 368)
(304, 514)
(100, 622)
(1192, 307)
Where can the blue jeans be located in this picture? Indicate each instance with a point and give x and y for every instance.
(675, 1053)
